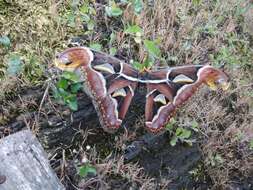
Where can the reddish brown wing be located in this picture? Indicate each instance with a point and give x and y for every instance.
(105, 80)
(118, 92)
(164, 98)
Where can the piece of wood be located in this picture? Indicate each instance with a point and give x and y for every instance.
(24, 164)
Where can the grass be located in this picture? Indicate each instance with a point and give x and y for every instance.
(185, 32)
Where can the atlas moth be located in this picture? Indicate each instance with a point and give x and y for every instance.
(111, 84)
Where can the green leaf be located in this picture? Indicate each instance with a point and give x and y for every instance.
(124, 1)
(5, 41)
(242, 10)
(84, 9)
(85, 18)
(90, 25)
(64, 94)
(71, 19)
(96, 46)
(251, 144)
(137, 6)
(113, 11)
(183, 133)
(179, 131)
(71, 101)
(71, 76)
(14, 65)
(196, 2)
(63, 83)
(60, 94)
(152, 48)
(75, 3)
(133, 30)
(72, 105)
(112, 38)
(76, 87)
(137, 65)
(189, 141)
(195, 126)
(113, 51)
(86, 169)
(170, 125)
(173, 141)
(56, 93)
(149, 62)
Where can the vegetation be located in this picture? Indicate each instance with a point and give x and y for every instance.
(146, 34)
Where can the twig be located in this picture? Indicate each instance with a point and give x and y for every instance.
(42, 101)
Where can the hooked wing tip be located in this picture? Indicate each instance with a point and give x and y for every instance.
(74, 57)
(215, 78)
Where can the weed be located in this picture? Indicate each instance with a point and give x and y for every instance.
(151, 47)
(87, 169)
(96, 46)
(14, 65)
(112, 49)
(67, 88)
(5, 41)
(113, 10)
(215, 160)
(136, 32)
(180, 132)
(251, 144)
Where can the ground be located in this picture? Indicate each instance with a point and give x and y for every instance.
(220, 145)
